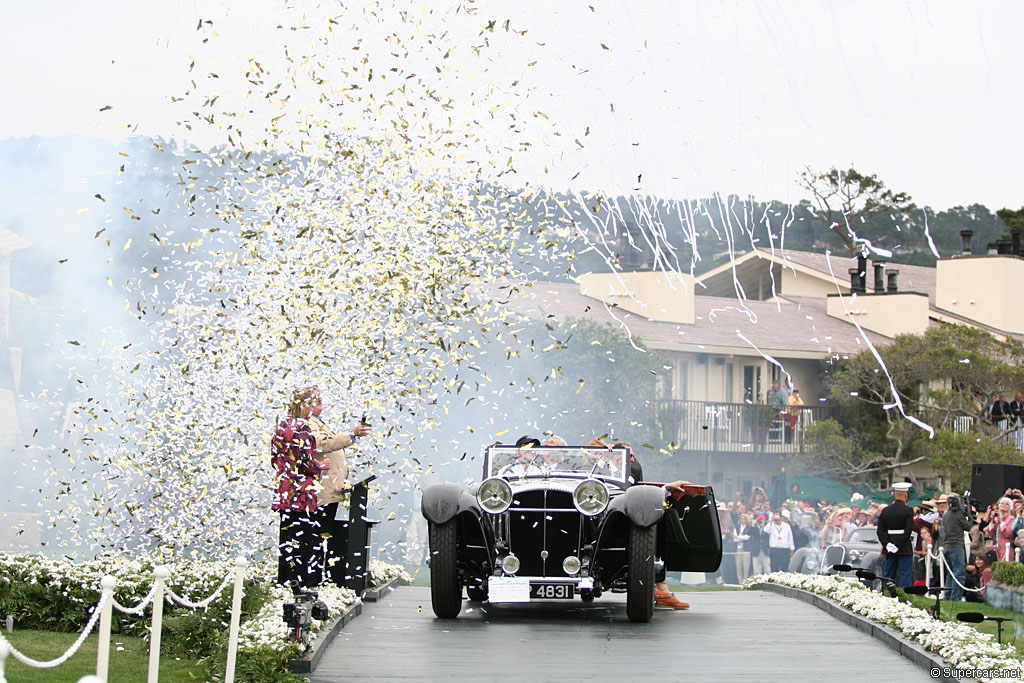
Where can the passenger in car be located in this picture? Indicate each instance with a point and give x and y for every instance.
(553, 459)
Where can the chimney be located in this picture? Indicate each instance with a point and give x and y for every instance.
(855, 281)
(991, 249)
(1003, 247)
(879, 277)
(862, 270)
(966, 236)
(1015, 241)
(892, 274)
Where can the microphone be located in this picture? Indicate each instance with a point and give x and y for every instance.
(842, 568)
(865, 574)
(972, 617)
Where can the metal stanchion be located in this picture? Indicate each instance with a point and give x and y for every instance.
(107, 584)
(236, 612)
(928, 565)
(160, 575)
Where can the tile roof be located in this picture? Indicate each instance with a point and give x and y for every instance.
(911, 278)
(773, 327)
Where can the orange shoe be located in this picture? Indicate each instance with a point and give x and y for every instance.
(661, 595)
(671, 602)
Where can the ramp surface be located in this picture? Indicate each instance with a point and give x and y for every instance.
(725, 635)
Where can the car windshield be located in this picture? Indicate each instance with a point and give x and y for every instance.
(549, 461)
(865, 535)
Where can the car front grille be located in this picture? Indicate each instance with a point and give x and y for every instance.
(539, 521)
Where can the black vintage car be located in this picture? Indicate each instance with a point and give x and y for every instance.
(559, 523)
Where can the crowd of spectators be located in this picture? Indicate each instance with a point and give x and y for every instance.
(758, 537)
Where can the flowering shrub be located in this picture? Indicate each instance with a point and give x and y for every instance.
(1008, 573)
(384, 572)
(58, 595)
(959, 644)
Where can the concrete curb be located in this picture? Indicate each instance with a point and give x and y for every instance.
(308, 662)
(377, 592)
(885, 635)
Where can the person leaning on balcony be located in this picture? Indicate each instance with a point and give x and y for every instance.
(999, 409)
(1017, 409)
(793, 413)
(778, 397)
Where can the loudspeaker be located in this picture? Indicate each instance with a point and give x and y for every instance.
(989, 482)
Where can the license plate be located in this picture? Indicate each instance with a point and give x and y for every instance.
(551, 591)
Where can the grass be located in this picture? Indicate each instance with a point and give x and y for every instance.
(129, 659)
(949, 610)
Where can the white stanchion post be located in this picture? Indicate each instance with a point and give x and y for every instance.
(236, 614)
(4, 651)
(107, 584)
(928, 566)
(160, 575)
(942, 570)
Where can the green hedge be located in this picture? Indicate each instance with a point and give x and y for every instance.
(1008, 573)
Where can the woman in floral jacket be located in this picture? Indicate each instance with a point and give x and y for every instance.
(298, 474)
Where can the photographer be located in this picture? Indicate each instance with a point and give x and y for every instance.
(955, 523)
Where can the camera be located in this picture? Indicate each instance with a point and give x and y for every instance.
(299, 615)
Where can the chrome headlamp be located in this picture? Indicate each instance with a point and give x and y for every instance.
(494, 496)
(590, 497)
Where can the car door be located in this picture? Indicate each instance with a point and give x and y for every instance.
(689, 535)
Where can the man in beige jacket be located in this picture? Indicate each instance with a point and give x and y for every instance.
(331, 446)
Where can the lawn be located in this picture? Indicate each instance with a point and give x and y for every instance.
(129, 659)
(949, 610)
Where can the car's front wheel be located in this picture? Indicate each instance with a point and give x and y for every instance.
(640, 584)
(445, 589)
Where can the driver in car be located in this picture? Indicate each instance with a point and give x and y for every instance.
(523, 466)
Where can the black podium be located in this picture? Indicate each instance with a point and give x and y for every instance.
(348, 548)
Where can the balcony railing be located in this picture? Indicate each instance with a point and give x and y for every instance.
(737, 427)
(1010, 432)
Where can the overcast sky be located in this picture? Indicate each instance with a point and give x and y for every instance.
(689, 97)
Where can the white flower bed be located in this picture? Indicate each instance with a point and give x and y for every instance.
(957, 643)
(192, 580)
(267, 629)
(384, 572)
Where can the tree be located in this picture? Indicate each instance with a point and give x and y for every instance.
(1014, 220)
(843, 196)
(939, 377)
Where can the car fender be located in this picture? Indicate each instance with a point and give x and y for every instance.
(443, 502)
(643, 505)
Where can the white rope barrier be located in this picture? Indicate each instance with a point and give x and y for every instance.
(202, 604)
(28, 661)
(102, 614)
(139, 608)
(944, 564)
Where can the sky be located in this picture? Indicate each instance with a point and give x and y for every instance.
(675, 99)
